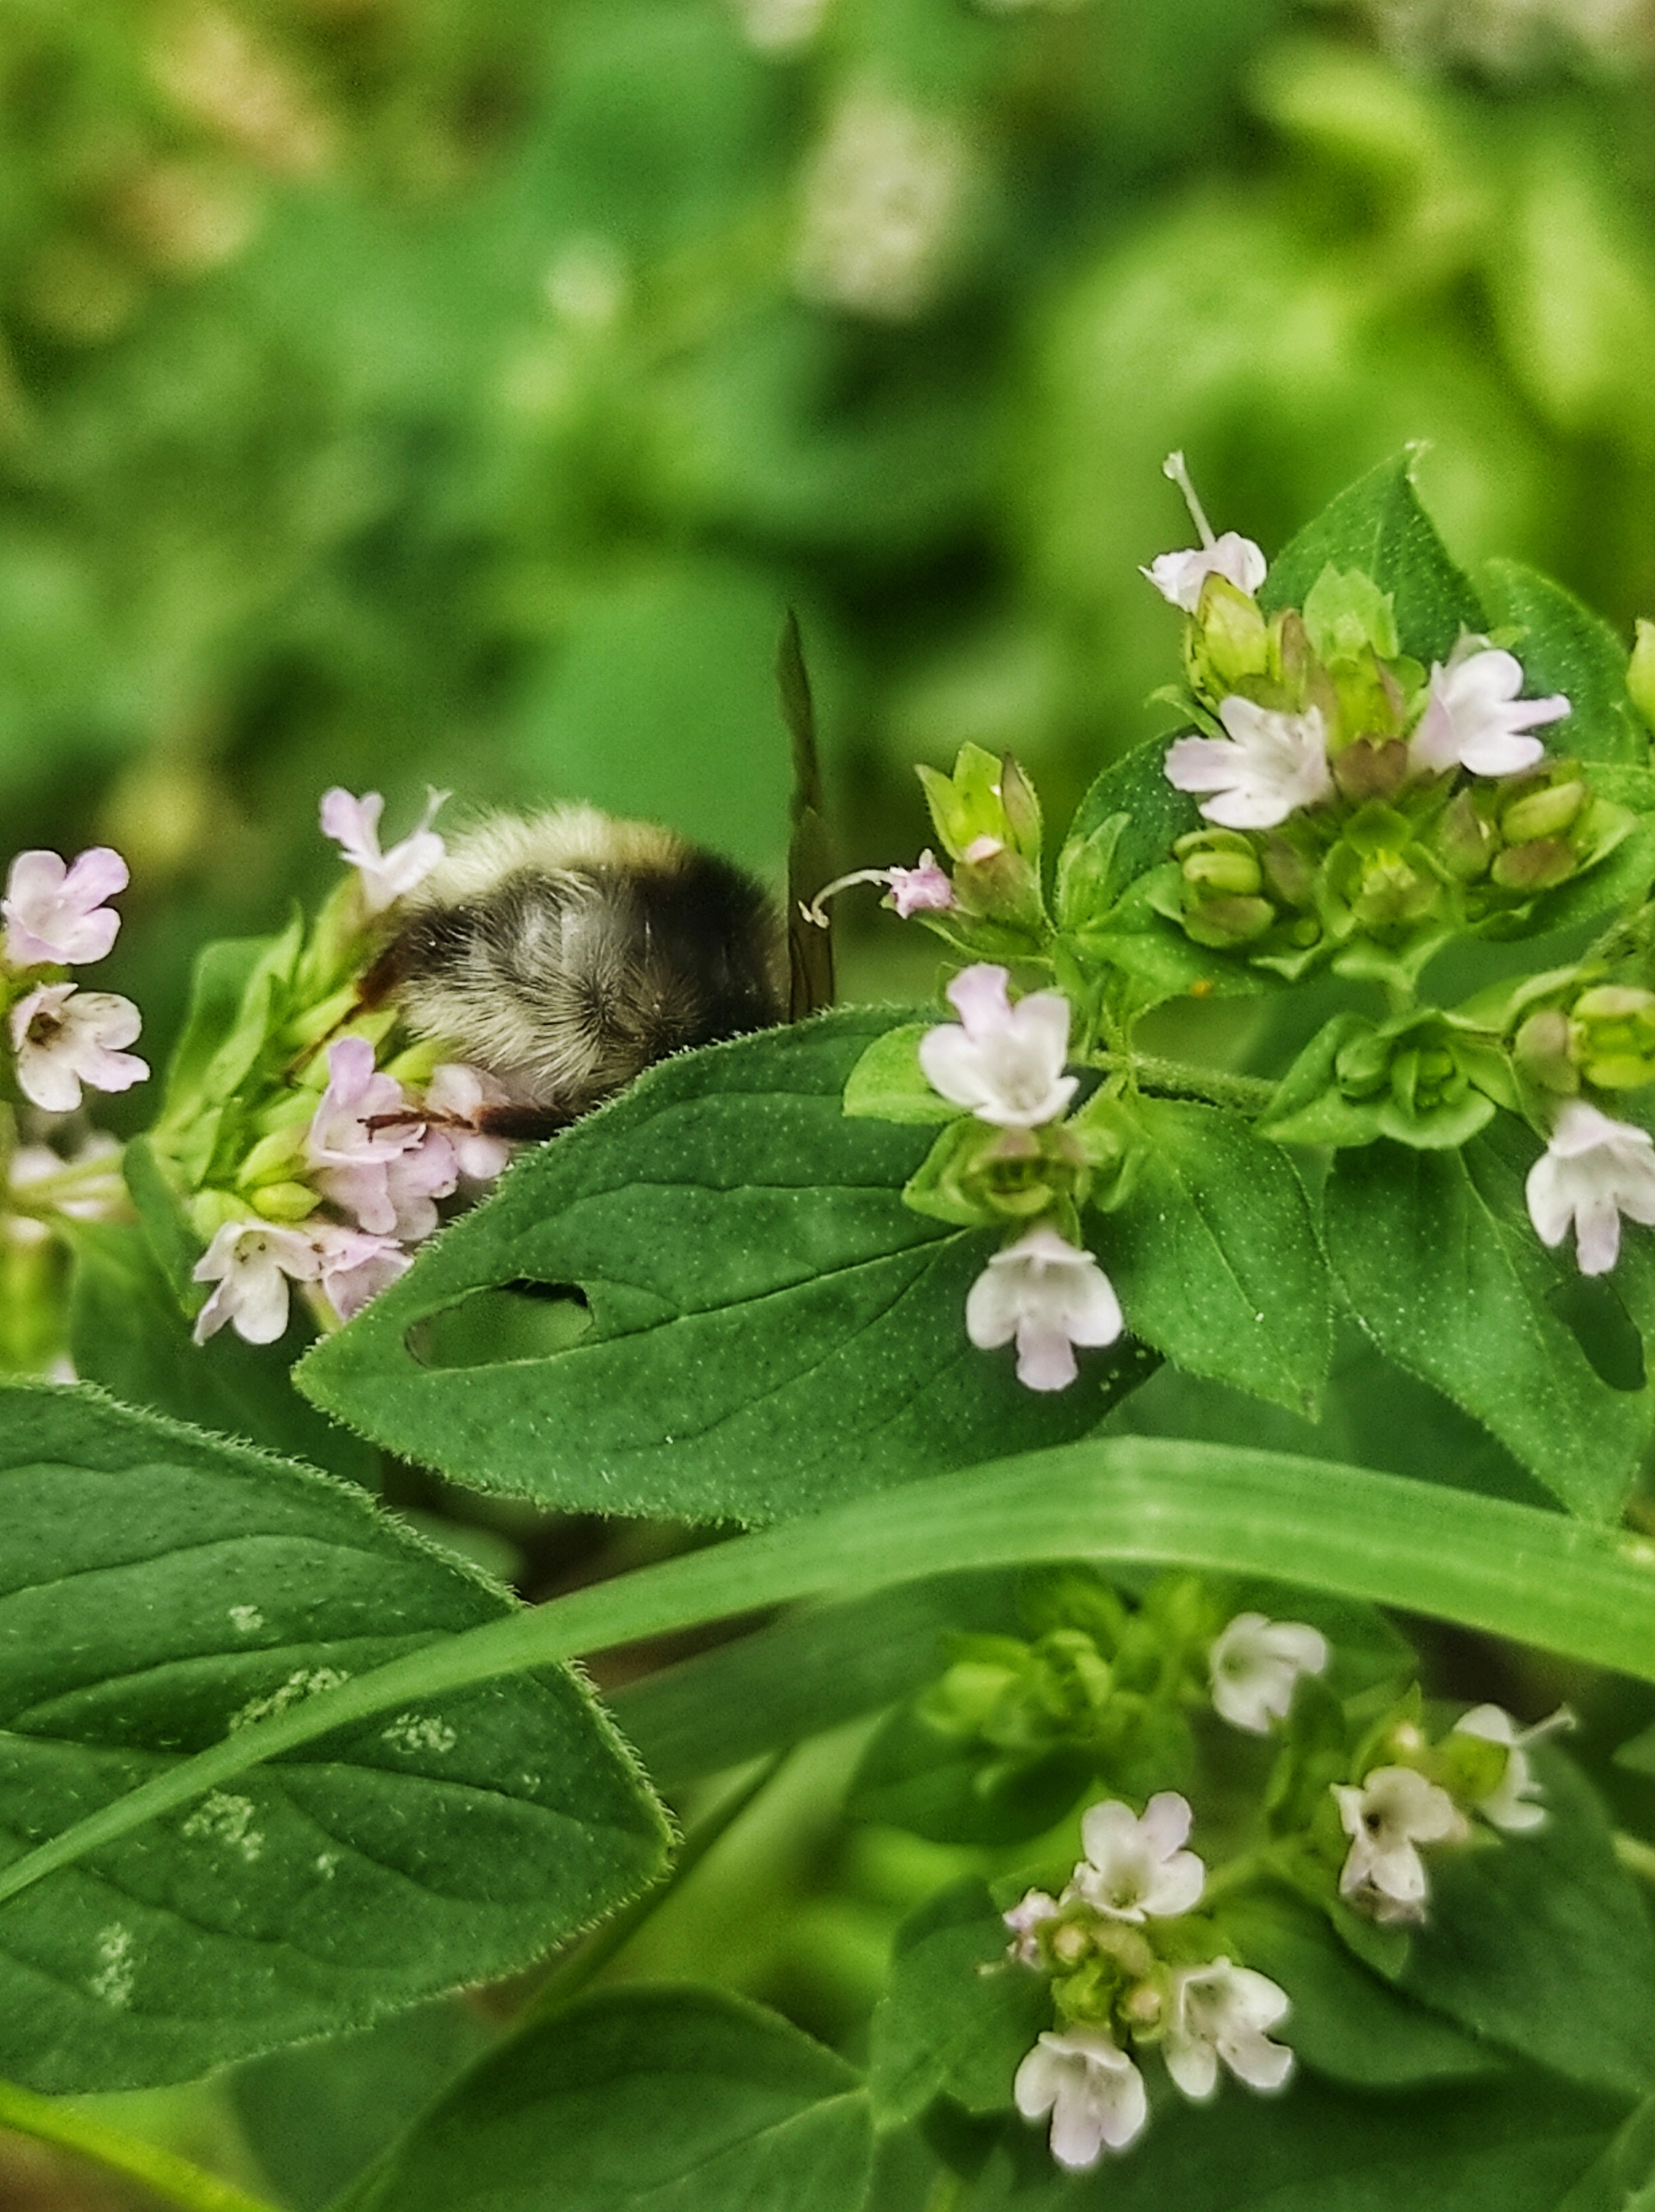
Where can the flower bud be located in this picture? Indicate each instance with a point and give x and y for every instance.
(1544, 813)
(1543, 1050)
(1464, 839)
(1537, 866)
(1371, 768)
(1611, 1037)
(1225, 873)
(1227, 640)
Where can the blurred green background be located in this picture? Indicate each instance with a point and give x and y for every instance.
(409, 390)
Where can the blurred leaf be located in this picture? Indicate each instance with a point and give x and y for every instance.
(955, 2018)
(682, 2098)
(952, 1788)
(1543, 1944)
(1510, 2147)
(1346, 2023)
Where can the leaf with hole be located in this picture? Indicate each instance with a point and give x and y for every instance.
(770, 1327)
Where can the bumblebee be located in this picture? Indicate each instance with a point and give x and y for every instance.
(565, 953)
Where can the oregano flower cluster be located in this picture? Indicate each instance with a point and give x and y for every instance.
(1364, 805)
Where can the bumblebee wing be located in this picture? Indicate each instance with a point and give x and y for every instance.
(810, 862)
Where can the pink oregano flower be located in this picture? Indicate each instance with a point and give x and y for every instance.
(926, 888)
(55, 915)
(371, 1154)
(65, 1037)
(1474, 718)
(253, 1263)
(353, 824)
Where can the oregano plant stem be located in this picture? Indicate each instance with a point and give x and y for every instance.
(51, 2120)
(1177, 1078)
(1585, 1591)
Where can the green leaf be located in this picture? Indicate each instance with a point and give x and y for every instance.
(954, 2019)
(1513, 2146)
(1346, 2023)
(161, 1586)
(887, 1084)
(1442, 1265)
(1585, 1592)
(771, 1326)
(1154, 814)
(1378, 527)
(810, 1671)
(675, 2100)
(314, 2116)
(1566, 647)
(1543, 1945)
(953, 1789)
(127, 1333)
(1214, 1257)
(1624, 2179)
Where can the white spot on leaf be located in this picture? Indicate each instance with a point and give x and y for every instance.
(307, 1682)
(419, 1732)
(221, 1819)
(113, 1980)
(244, 1618)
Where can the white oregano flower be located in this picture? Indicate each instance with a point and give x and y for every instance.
(1025, 1919)
(1254, 1668)
(253, 1263)
(1004, 1062)
(1267, 766)
(884, 199)
(1178, 577)
(1592, 1171)
(353, 825)
(1474, 718)
(1050, 1296)
(1513, 1803)
(1391, 1812)
(65, 1037)
(55, 915)
(1135, 1867)
(1092, 2090)
(1222, 2011)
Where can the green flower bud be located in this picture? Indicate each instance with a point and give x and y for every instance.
(970, 811)
(1371, 768)
(1464, 839)
(1230, 873)
(285, 1201)
(1289, 873)
(1543, 1050)
(1611, 1037)
(1535, 866)
(1544, 813)
(1640, 672)
(1227, 640)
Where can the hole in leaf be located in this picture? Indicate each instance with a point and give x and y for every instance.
(492, 1327)
(1594, 1315)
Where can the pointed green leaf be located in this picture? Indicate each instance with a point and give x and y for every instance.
(1442, 1265)
(1214, 1257)
(672, 2100)
(1566, 647)
(1378, 527)
(770, 1328)
(159, 1586)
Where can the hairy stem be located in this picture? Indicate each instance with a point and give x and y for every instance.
(49, 2119)
(1248, 1094)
